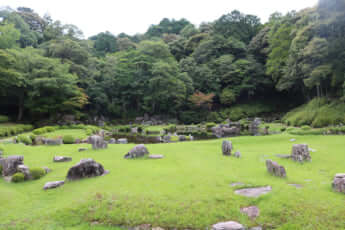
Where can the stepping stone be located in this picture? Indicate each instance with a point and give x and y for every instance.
(82, 149)
(256, 228)
(254, 192)
(293, 139)
(122, 141)
(237, 154)
(156, 156)
(236, 184)
(53, 184)
(229, 225)
(62, 159)
(296, 185)
(251, 211)
(284, 156)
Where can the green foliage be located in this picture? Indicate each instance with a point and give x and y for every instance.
(12, 129)
(68, 139)
(44, 130)
(3, 119)
(317, 113)
(9, 36)
(18, 177)
(209, 125)
(25, 139)
(0, 169)
(37, 173)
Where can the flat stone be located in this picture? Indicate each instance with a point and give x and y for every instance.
(296, 185)
(293, 139)
(155, 156)
(82, 149)
(62, 159)
(46, 169)
(254, 192)
(237, 154)
(251, 211)
(284, 156)
(53, 184)
(236, 184)
(229, 225)
(256, 228)
(122, 141)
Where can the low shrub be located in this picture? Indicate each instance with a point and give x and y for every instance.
(306, 127)
(0, 169)
(4, 119)
(18, 177)
(68, 139)
(37, 173)
(209, 125)
(25, 139)
(170, 128)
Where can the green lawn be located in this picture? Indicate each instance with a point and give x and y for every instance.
(188, 189)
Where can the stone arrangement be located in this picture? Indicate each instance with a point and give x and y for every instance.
(226, 130)
(339, 182)
(48, 141)
(10, 165)
(84, 169)
(300, 153)
(97, 142)
(254, 126)
(275, 169)
(226, 148)
(137, 151)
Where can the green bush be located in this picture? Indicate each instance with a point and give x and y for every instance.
(3, 119)
(170, 128)
(68, 139)
(24, 139)
(0, 169)
(18, 177)
(306, 127)
(37, 173)
(174, 138)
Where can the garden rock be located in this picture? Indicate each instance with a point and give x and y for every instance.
(82, 149)
(25, 170)
(10, 165)
(284, 156)
(226, 148)
(112, 141)
(134, 130)
(339, 182)
(251, 211)
(275, 169)
(237, 154)
(300, 153)
(84, 169)
(293, 139)
(229, 225)
(166, 139)
(98, 142)
(122, 141)
(137, 151)
(254, 126)
(155, 156)
(47, 170)
(53, 184)
(182, 138)
(62, 159)
(48, 141)
(254, 192)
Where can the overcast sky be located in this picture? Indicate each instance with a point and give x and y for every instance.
(135, 16)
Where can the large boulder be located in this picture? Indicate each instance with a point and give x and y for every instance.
(10, 165)
(53, 184)
(275, 169)
(137, 151)
(339, 182)
(25, 170)
(229, 225)
(48, 141)
(182, 138)
(166, 139)
(97, 142)
(226, 148)
(300, 152)
(61, 159)
(84, 169)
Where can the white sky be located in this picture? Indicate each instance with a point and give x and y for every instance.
(135, 16)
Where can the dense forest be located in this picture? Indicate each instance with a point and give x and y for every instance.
(48, 69)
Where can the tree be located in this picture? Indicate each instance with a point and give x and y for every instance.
(104, 43)
(8, 36)
(202, 100)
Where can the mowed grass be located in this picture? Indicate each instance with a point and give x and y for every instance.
(76, 133)
(188, 189)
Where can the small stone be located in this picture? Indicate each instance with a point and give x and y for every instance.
(254, 192)
(98, 142)
(293, 139)
(10, 165)
(53, 184)
(155, 156)
(112, 141)
(46, 169)
(284, 156)
(229, 225)
(251, 211)
(82, 149)
(237, 154)
(236, 184)
(62, 159)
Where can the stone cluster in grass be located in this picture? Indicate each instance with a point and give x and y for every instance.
(275, 169)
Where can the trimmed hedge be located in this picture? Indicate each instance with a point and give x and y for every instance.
(68, 139)
(18, 177)
(37, 173)
(7, 131)
(25, 139)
